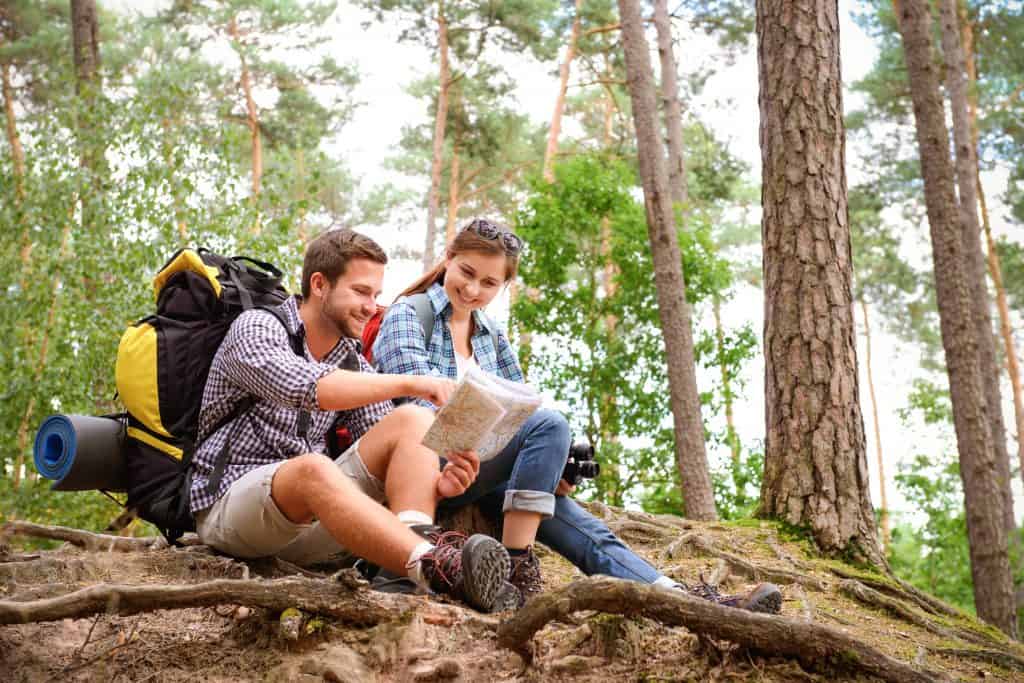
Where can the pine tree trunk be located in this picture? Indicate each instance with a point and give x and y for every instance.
(673, 309)
(453, 195)
(815, 471)
(440, 120)
(986, 531)
(252, 121)
(670, 104)
(884, 509)
(563, 85)
(994, 268)
(86, 54)
(966, 174)
(13, 139)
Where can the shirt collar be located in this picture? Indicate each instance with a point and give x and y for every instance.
(443, 307)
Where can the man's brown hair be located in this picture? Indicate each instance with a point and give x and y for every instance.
(331, 252)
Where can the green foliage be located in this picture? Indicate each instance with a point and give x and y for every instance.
(1011, 261)
(935, 556)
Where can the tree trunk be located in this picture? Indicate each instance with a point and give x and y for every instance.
(453, 194)
(85, 42)
(440, 120)
(966, 174)
(86, 54)
(815, 470)
(995, 271)
(13, 139)
(673, 109)
(252, 121)
(563, 85)
(730, 422)
(673, 309)
(884, 509)
(986, 531)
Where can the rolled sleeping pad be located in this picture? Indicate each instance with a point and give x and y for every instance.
(82, 452)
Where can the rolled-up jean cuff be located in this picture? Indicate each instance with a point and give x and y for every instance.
(530, 501)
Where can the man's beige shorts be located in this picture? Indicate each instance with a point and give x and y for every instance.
(246, 522)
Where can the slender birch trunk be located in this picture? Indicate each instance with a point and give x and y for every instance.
(252, 121)
(884, 508)
(440, 121)
(453, 194)
(551, 151)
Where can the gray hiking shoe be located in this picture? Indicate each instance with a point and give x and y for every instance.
(764, 598)
(472, 570)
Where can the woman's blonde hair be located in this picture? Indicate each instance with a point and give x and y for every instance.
(467, 240)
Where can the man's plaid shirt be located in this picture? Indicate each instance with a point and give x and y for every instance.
(256, 359)
(401, 350)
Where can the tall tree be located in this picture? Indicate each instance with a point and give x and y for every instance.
(673, 309)
(816, 470)
(966, 180)
(990, 566)
(671, 105)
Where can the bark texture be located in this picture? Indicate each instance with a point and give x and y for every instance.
(670, 104)
(816, 471)
(440, 121)
(986, 532)
(673, 310)
(966, 180)
(85, 42)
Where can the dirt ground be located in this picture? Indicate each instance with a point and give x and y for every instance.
(432, 640)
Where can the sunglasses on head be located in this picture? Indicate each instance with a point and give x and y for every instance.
(489, 231)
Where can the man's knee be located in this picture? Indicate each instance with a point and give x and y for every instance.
(299, 479)
(413, 416)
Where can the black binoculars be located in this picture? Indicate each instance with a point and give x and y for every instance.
(580, 464)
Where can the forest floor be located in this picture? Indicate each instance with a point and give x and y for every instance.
(838, 622)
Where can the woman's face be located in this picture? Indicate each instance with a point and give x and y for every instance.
(472, 279)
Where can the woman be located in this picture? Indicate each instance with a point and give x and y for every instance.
(524, 481)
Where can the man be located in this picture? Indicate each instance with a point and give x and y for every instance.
(262, 485)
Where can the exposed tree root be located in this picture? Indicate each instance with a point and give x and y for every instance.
(869, 596)
(1004, 659)
(909, 593)
(755, 572)
(815, 646)
(83, 539)
(323, 597)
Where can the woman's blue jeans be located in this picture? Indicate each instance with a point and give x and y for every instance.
(524, 476)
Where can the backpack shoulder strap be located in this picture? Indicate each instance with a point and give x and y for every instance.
(293, 339)
(425, 312)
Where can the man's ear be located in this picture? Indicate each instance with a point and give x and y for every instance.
(318, 284)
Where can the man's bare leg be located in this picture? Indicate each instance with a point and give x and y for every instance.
(392, 452)
(311, 485)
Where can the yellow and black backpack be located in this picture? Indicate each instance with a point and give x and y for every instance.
(162, 364)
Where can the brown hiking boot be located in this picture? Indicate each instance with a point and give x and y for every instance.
(472, 570)
(765, 598)
(526, 576)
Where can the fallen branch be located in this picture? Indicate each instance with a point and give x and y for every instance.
(815, 646)
(926, 602)
(869, 596)
(322, 597)
(83, 539)
(755, 572)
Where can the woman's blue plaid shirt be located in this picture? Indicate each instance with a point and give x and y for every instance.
(400, 347)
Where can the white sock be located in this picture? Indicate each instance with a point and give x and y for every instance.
(413, 566)
(411, 517)
(666, 582)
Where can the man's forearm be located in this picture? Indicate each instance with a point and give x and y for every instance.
(344, 389)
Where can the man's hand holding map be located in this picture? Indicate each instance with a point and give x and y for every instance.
(483, 415)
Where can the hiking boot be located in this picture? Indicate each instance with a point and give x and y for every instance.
(765, 598)
(509, 598)
(526, 576)
(472, 569)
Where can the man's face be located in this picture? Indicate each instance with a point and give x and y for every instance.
(352, 300)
